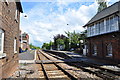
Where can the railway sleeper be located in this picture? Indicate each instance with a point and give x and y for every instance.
(59, 68)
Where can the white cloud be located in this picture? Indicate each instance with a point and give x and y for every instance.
(46, 20)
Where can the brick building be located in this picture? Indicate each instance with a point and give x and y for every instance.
(103, 33)
(24, 40)
(9, 36)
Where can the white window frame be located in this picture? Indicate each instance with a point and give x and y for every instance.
(111, 24)
(15, 45)
(16, 15)
(97, 28)
(101, 27)
(94, 30)
(87, 32)
(109, 50)
(2, 41)
(94, 50)
(116, 22)
(2, 45)
(105, 26)
(6, 1)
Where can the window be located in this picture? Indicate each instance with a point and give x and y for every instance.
(16, 15)
(116, 23)
(111, 24)
(109, 50)
(102, 27)
(94, 50)
(1, 41)
(88, 31)
(6, 1)
(107, 25)
(2, 44)
(15, 45)
(97, 28)
(93, 30)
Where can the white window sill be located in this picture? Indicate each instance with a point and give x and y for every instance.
(110, 55)
(94, 54)
(16, 20)
(15, 52)
(2, 55)
(7, 3)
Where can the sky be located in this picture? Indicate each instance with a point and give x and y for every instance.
(45, 19)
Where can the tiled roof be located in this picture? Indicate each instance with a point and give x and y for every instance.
(105, 12)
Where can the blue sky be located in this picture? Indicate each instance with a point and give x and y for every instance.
(46, 19)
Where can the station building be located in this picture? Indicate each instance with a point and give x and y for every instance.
(24, 42)
(103, 33)
(9, 36)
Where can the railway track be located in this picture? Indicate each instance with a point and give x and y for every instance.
(53, 71)
(95, 69)
(55, 56)
(58, 54)
(104, 74)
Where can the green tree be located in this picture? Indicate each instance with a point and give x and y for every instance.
(60, 44)
(66, 42)
(33, 47)
(46, 46)
(102, 4)
(51, 44)
(56, 40)
(73, 39)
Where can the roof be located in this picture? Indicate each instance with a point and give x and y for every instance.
(19, 6)
(105, 12)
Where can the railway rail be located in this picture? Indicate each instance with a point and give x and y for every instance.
(95, 69)
(54, 71)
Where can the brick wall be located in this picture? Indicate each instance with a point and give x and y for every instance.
(11, 31)
(101, 42)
